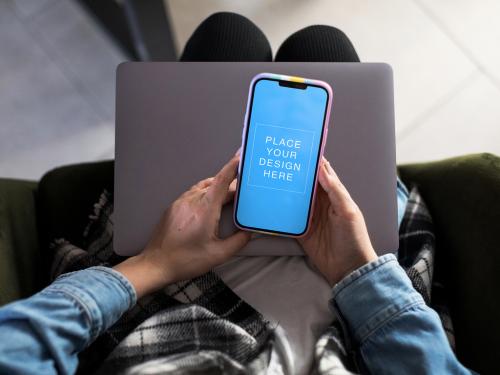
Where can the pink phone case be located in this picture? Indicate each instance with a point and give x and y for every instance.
(282, 77)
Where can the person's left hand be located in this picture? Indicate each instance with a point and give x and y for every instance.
(186, 242)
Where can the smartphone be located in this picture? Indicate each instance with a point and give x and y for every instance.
(284, 134)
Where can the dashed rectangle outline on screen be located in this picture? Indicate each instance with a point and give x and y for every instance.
(257, 124)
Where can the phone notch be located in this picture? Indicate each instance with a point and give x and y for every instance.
(294, 85)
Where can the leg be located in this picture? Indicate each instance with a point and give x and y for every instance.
(227, 37)
(318, 43)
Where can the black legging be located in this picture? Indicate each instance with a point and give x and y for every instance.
(231, 37)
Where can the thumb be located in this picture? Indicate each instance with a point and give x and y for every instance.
(235, 242)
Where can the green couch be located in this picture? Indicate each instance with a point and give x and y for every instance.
(463, 195)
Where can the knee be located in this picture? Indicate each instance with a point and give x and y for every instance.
(217, 21)
(318, 43)
(226, 36)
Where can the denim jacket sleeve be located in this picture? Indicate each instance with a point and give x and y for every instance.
(389, 325)
(44, 334)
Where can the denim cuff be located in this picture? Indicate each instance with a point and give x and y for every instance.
(102, 293)
(372, 295)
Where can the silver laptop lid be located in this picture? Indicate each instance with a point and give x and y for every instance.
(178, 123)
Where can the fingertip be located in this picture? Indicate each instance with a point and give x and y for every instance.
(323, 163)
(237, 241)
(236, 159)
(230, 193)
(233, 163)
(245, 235)
(322, 177)
(329, 169)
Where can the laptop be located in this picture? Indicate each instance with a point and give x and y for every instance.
(180, 122)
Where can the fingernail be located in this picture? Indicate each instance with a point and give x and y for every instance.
(238, 151)
(328, 167)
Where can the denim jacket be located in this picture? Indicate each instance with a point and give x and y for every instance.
(389, 325)
(384, 319)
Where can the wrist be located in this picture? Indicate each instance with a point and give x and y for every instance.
(145, 275)
(350, 265)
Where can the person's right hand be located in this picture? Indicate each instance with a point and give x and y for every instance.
(338, 241)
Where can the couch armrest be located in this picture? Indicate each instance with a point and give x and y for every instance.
(463, 196)
(20, 271)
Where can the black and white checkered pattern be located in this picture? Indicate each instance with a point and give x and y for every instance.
(201, 326)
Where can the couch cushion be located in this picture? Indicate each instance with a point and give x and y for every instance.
(463, 196)
(66, 197)
(20, 271)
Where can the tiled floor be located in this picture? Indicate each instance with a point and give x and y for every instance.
(57, 72)
(444, 54)
(57, 82)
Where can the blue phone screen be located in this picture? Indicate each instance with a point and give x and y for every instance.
(279, 163)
